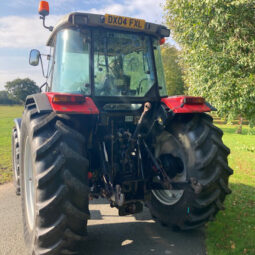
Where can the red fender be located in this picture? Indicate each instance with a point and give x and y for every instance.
(186, 104)
(84, 106)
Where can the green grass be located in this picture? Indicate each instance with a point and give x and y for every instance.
(7, 114)
(233, 231)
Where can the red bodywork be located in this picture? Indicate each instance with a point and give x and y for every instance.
(177, 105)
(87, 107)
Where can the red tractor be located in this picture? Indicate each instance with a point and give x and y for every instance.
(105, 127)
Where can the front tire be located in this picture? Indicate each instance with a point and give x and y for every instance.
(54, 180)
(204, 158)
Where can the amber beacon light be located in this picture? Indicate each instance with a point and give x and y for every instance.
(44, 8)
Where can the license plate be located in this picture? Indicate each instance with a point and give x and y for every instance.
(126, 22)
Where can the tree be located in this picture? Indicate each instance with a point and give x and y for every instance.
(173, 70)
(19, 89)
(218, 45)
(5, 98)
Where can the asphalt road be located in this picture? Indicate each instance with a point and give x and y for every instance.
(109, 234)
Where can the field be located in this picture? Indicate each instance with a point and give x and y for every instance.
(233, 232)
(7, 114)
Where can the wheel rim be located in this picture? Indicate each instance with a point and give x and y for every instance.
(168, 144)
(29, 185)
(168, 197)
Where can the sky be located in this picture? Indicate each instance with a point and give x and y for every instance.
(21, 29)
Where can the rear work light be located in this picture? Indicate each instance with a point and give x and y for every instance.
(193, 100)
(68, 99)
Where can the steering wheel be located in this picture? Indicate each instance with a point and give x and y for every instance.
(139, 89)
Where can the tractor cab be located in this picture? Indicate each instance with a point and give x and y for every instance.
(108, 58)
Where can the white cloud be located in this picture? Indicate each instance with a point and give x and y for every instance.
(19, 3)
(27, 32)
(23, 3)
(11, 75)
(148, 10)
(58, 3)
(23, 32)
(98, 2)
(13, 67)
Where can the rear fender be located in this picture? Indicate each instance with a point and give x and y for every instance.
(41, 102)
(44, 104)
(180, 104)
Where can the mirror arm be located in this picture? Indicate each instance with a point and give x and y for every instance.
(44, 84)
(48, 68)
(50, 27)
(45, 76)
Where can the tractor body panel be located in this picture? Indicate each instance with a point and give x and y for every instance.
(177, 105)
(44, 103)
(86, 107)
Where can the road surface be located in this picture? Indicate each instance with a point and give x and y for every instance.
(109, 234)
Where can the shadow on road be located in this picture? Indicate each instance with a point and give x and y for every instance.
(141, 238)
(137, 235)
(108, 234)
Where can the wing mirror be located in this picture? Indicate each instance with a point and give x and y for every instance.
(34, 57)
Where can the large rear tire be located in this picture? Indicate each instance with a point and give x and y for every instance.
(54, 184)
(198, 143)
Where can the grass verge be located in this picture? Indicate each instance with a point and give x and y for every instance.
(233, 231)
(7, 114)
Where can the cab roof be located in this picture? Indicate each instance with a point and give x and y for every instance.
(79, 19)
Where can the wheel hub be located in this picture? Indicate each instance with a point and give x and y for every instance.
(168, 151)
(168, 197)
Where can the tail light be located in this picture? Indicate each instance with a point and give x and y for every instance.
(162, 41)
(193, 100)
(68, 99)
(90, 175)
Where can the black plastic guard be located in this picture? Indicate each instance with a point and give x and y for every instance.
(42, 102)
